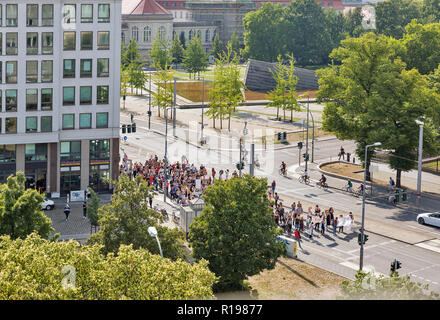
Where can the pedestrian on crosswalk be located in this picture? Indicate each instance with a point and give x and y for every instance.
(298, 237)
(67, 211)
(311, 230)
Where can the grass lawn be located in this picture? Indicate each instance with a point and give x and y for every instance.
(291, 279)
(432, 165)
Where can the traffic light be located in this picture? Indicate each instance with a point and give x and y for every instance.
(149, 113)
(398, 264)
(128, 128)
(133, 127)
(300, 145)
(279, 136)
(240, 165)
(284, 135)
(365, 238)
(393, 267)
(306, 156)
(124, 128)
(359, 239)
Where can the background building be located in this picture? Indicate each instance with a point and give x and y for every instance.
(59, 94)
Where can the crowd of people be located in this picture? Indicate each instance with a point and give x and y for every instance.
(184, 182)
(296, 219)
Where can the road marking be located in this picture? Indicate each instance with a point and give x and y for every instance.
(423, 230)
(428, 247)
(356, 267)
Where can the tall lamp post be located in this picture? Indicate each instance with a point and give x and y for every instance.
(419, 167)
(174, 109)
(153, 232)
(203, 105)
(307, 134)
(149, 104)
(165, 190)
(361, 259)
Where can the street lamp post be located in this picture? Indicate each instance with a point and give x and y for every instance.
(203, 105)
(149, 104)
(153, 232)
(419, 167)
(166, 155)
(361, 259)
(174, 109)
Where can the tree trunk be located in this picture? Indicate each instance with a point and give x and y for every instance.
(158, 110)
(284, 114)
(213, 121)
(221, 122)
(229, 122)
(278, 112)
(291, 115)
(398, 177)
(368, 177)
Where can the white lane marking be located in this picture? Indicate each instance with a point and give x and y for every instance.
(373, 246)
(423, 230)
(428, 247)
(356, 267)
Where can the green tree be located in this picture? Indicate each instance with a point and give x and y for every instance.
(235, 231)
(434, 79)
(265, 33)
(163, 97)
(37, 269)
(93, 207)
(183, 39)
(195, 59)
(226, 91)
(235, 43)
(21, 210)
(130, 54)
(367, 286)
(217, 47)
(160, 55)
(353, 23)
(422, 46)
(431, 11)
(137, 75)
(372, 97)
(177, 50)
(393, 15)
(127, 218)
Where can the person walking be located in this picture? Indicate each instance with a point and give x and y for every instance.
(273, 187)
(85, 210)
(276, 198)
(311, 230)
(341, 228)
(297, 237)
(335, 224)
(67, 211)
(323, 225)
(150, 200)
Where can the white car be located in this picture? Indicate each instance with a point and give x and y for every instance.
(432, 219)
(48, 204)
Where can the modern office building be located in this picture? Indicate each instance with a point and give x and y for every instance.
(59, 92)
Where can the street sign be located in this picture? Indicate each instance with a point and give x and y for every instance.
(125, 138)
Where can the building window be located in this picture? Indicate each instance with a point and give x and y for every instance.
(31, 99)
(123, 38)
(207, 36)
(103, 13)
(135, 33)
(11, 15)
(11, 43)
(69, 68)
(32, 43)
(85, 120)
(36, 152)
(147, 34)
(1, 107)
(86, 40)
(1, 77)
(1, 23)
(69, 13)
(70, 151)
(31, 124)
(46, 124)
(86, 13)
(85, 95)
(102, 95)
(190, 35)
(86, 68)
(7, 153)
(47, 43)
(103, 67)
(68, 96)
(103, 40)
(47, 15)
(69, 40)
(11, 100)
(46, 71)
(11, 72)
(32, 15)
(11, 125)
(162, 33)
(102, 120)
(31, 71)
(1, 37)
(68, 121)
(46, 99)
(99, 149)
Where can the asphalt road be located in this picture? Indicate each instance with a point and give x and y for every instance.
(337, 253)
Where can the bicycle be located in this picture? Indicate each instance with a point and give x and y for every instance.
(283, 172)
(304, 180)
(324, 185)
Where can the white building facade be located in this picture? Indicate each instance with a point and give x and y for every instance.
(59, 92)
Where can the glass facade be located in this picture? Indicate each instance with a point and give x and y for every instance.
(70, 170)
(99, 165)
(7, 161)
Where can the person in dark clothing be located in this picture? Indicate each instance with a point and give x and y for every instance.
(150, 200)
(67, 211)
(85, 209)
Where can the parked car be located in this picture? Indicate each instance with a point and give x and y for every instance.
(48, 204)
(432, 219)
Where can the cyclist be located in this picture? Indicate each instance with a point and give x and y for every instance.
(323, 180)
(349, 185)
(305, 177)
(361, 188)
(283, 168)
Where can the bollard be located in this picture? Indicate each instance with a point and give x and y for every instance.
(404, 195)
(348, 157)
(397, 195)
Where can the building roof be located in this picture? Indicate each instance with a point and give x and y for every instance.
(140, 7)
(259, 78)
